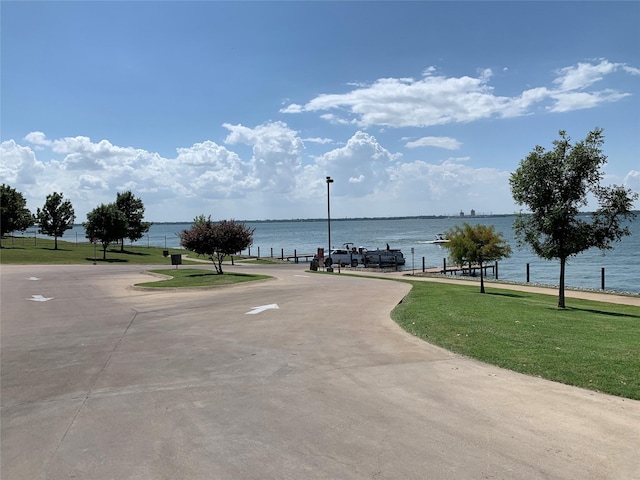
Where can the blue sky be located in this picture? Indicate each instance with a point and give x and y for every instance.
(240, 109)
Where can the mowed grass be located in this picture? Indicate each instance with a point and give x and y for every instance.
(22, 250)
(194, 277)
(589, 344)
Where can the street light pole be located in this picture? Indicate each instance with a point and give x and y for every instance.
(330, 267)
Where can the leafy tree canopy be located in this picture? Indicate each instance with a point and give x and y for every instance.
(555, 185)
(56, 216)
(133, 210)
(105, 224)
(216, 240)
(14, 215)
(476, 244)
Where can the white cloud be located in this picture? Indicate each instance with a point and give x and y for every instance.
(436, 99)
(583, 75)
(321, 141)
(277, 154)
(19, 164)
(570, 101)
(37, 138)
(440, 142)
(632, 180)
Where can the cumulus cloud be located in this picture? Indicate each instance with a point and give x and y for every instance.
(435, 99)
(37, 138)
(277, 154)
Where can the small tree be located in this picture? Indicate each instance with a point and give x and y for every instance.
(56, 217)
(555, 185)
(106, 224)
(133, 210)
(216, 240)
(14, 215)
(476, 245)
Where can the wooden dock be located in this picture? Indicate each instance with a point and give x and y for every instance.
(454, 270)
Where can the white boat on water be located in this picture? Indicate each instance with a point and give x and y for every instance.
(438, 238)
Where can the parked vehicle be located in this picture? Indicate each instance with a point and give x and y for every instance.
(350, 255)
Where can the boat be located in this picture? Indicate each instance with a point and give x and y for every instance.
(354, 256)
(438, 238)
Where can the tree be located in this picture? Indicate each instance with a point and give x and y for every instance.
(133, 210)
(56, 217)
(14, 215)
(476, 245)
(554, 185)
(216, 240)
(106, 224)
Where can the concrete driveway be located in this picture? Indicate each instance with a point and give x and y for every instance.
(102, 381)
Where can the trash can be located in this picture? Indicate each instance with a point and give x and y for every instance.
(176, 259)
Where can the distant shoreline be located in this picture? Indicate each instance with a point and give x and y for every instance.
(357, 219)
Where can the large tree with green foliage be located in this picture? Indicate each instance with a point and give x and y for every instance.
(133, 210)
(56, 217)
(555, 185)
(216, 240)
(476, 244)
(14, 214)
(105, 224)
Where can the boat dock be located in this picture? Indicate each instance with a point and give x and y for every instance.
(466, 270)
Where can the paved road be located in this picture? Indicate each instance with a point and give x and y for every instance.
(102, 381)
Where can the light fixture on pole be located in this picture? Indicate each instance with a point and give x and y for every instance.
(329, 261)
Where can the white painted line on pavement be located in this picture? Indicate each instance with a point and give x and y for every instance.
(262, 309)
(33, 278)
(39, 298)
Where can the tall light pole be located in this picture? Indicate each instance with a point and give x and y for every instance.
(329, 181)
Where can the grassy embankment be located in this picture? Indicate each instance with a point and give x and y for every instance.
(24, 250)
(589, 344)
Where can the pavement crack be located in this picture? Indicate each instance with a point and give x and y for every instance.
(87, 396)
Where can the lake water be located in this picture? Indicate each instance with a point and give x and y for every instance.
(622, 263)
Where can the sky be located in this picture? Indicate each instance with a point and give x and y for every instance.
(242, 109)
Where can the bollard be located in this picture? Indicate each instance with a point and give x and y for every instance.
(295, 255)
(527, 273)
(271, 252)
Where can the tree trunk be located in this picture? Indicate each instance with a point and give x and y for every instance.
(481, 278)
(104, 251)
(563, 262)
(55, 242)
(122, 245)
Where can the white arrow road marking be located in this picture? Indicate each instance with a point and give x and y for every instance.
(262, 309)
(39, 298)
(33, 278)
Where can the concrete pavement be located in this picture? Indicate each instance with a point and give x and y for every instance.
(103, 381)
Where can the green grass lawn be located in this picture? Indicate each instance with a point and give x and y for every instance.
(193, 277)
(589, 344)
(21, 250)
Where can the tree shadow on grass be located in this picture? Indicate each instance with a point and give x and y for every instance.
(602, 312)
(129, 252)
(107, 260)
(505, 294)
